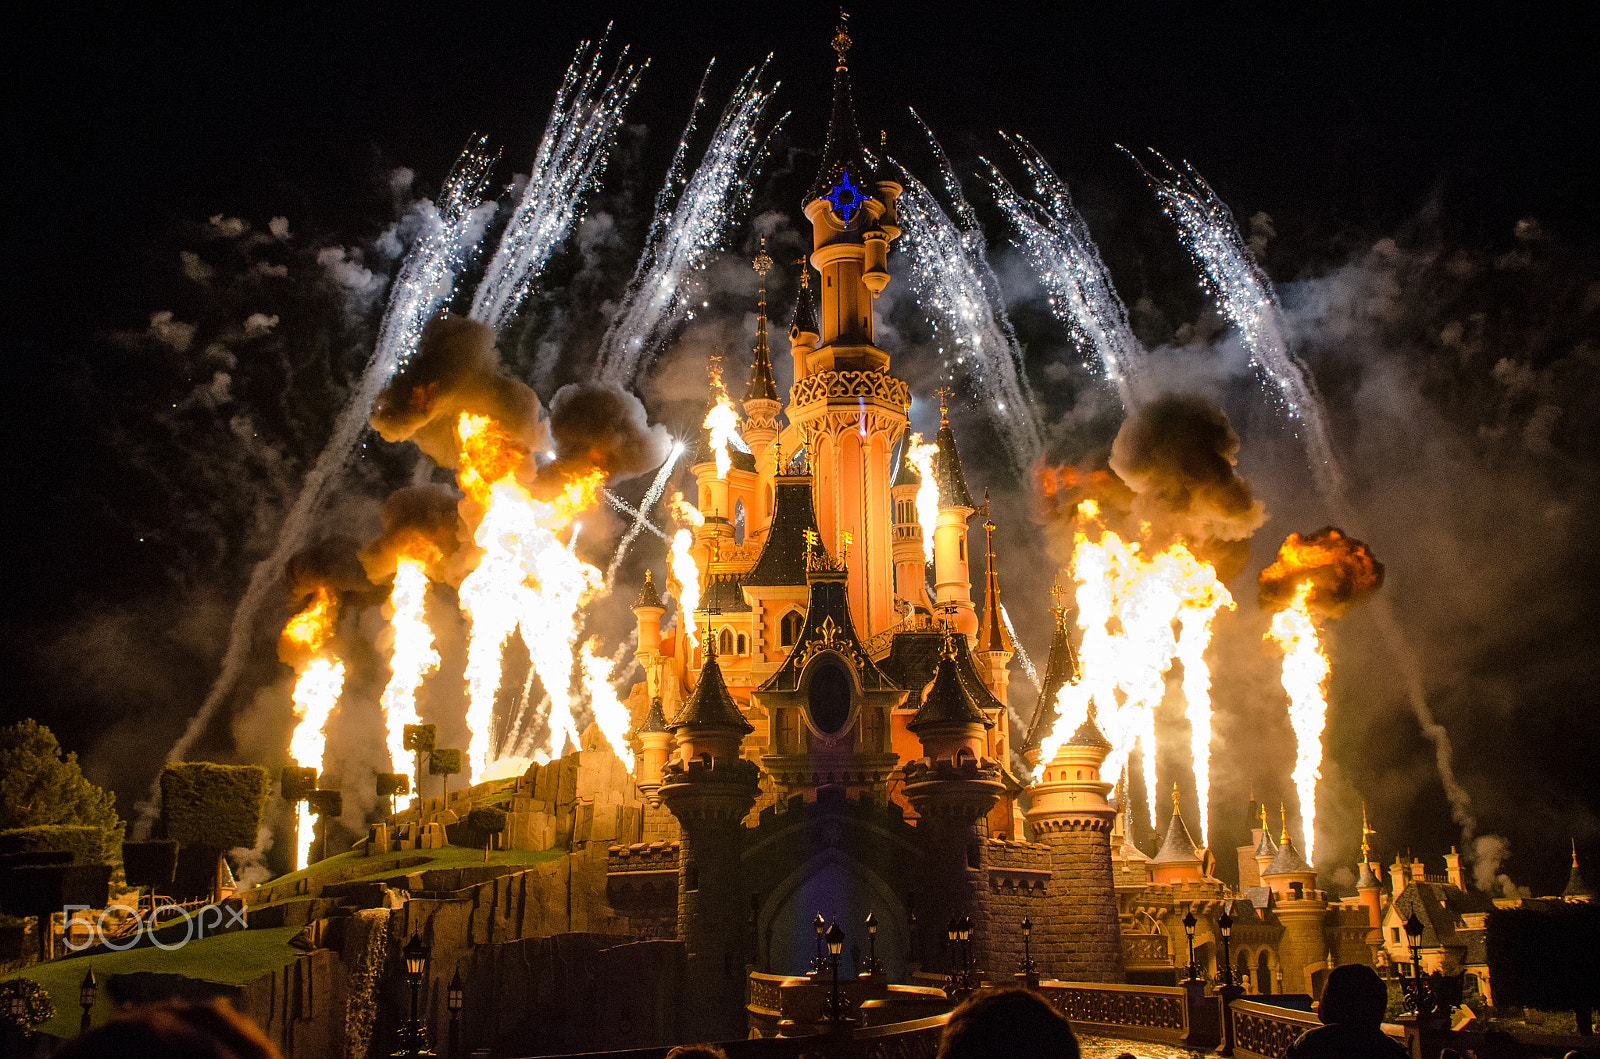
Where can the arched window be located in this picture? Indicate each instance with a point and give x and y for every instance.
(789, 629)
(738, 522)
(962, 547)
(742, 644)
(1263, 973)
(725, 641)
(828, 699)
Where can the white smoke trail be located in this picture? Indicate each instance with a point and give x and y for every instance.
(1245, 296)
(577, 139)
(628, 509)
(652, 497)
(427, 277)
(1056, 241)
(680, 239)
(954, 284)
(1022, 652)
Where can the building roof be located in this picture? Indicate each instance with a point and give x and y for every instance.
(1266, 847)
(724, 594)
(1287, 861)
(905, 472)
(1089, 733)
(711, 706)
(843, 151)
(1576, 887)
(783, 553)
(1366, 880)
(805, 312)
(947, 469)
(1440, 908)
(828, 627)
(1060, 670)
(647, 593)
(1128, 851)
(992, 634)
(913, 661)
(1178, 848)
(947, 701)
(703, 452)
(655, 720)
(761, 387)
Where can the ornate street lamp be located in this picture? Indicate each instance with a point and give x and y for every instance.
(1188, 929)
(1030, 972)
(835, 939)
(1418, 992)
(1231, 989)
(455, 1000)
(819, 925)
(415, 955)
(952, 934)
(872, 946)
(964, 934)
(86, 991)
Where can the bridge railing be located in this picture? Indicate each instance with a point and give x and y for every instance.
(1267, 1031)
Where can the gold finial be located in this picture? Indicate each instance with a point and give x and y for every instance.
(1264, 816)
(1366, 851)
(647, 578)
(1283, 814)
(1055, 594)
(944, 405)
(848, 539)
(762, 263)
(841, 37)
(1175, 798)
(777, 453)
(883, 139)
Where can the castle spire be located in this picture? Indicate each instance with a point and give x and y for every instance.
(761, 387)
(843, 157)
(992, 635)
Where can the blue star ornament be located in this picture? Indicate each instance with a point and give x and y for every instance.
(846, 197)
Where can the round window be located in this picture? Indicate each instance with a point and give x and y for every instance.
(829, 699)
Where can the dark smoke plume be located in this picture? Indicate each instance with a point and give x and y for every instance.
(602, 425)
(332, 563)
(1341, 570)
(420, 522)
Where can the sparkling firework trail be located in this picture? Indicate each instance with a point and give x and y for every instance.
(426, 279)
(652, 497)
(577, 140)
(1053, 236)
(954, 285)
(628, 509)
(1022, 652)
(1245, 296)
(661, 292)
(1305, 676)
(412, 658)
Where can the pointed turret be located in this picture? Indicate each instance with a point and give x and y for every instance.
(947, 718)
(1179, 859)
(647, 611)
(761, 387)
(1060, 670)
(952, 577)
(1577, 891)
(654, 740)
(992, 635)
(648, 596)
(710, 708)
(947, 469)
(842, 156)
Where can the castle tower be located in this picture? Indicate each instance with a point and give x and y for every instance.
(761, 396)
(910, 558)
(844, 403)
(1301, 908)
(952, 581)
(1266, 849)
(1577, 891)
(647, 611)
(994, 647)
(1179, 859)
(803, 332)
(709, 789)
(1369, 891)
(1079, 937)
(654, 742)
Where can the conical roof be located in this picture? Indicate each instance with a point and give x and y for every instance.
(1089, 734)
(783, 553)
(1178, 846)
(905, 472)
(805, 311)
(947, 469)
(1576, 887)
(655, 720)
(992, 634)
(1366, 880)
(843, 154)
(762, 387)
(1060, 670)
(1287, 861)
(946, 701)
(711, 706)
(647, 593)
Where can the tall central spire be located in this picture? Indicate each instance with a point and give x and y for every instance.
(843, 155)
(762, 387)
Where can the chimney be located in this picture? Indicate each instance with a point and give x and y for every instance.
(1419, 871)
(1398, 876)
(1452, 869)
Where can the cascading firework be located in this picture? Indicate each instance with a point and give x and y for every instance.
(1139, 613)
(682, 236)
(577, 139)
(319, 680)
(652, 497)
(1305, 676)
(1056, 241)
(526, 580)
(412, 656)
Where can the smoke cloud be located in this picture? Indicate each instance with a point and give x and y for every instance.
(1340, 569)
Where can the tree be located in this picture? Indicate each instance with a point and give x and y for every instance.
(391, 784)
(1543, 956)
(445, 762)
(488, 820)
(420, 739)
(41, 786)
(204, 804)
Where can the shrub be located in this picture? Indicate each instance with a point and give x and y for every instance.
(213, 805)
(86, 844)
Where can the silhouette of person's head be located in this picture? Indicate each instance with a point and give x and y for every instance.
(175, 1029)
(697, 1051)
(1010, 1024)
(1354, 996)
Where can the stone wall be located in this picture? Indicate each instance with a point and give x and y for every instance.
(1081, 938)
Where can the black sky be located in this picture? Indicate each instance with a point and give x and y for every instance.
(127, 121)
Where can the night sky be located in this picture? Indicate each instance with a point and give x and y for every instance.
(1394, 149)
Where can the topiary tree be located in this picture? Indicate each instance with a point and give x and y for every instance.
(213, 805)
(42, 786)
(294, 783)
(1544, 957)
(445, 762)
(36, 1008)
(420, 739)
(391, 784)
(490, 821)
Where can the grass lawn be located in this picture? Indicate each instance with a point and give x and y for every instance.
(231, 959)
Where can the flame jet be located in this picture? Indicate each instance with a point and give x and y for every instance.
(923, 456)
(318, 682)
(1322, 574)
(723, 423)
(684, 570)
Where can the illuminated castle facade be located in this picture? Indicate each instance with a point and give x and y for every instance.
(829, 735)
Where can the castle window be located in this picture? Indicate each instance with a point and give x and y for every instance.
(742, 644)
(725, 641)
(961, 548)
(691, 876)
(1080, 774)
(789, 629)
(828, 699)
(738, 522)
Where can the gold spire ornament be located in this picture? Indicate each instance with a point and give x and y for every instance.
(944, 405)
(1366, 851)
(763, 263)
(841, 38)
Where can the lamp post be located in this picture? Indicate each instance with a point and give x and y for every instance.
(455, 1000)
(1231, 989)
(964, 935)
(952, 934)
(1413, 929)
(835, 939)
(415, 1038)
(1188, 929)
(820, 926)
(86, 991)
(872, 946)
(1029, 973)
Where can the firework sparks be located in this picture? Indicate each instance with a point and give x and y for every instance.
(652, 497)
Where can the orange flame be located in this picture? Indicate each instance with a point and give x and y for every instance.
(1305, 676)
(723, 422)
(318, 684)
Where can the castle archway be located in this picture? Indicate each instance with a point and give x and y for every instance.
(844, 891)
